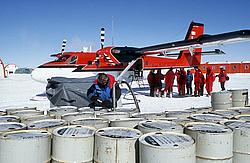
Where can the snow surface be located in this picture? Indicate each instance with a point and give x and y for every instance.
(18, 89)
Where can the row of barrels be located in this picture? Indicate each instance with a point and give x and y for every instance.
(100, 136)
(231, 98)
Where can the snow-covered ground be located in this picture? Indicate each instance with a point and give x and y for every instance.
(17, 90)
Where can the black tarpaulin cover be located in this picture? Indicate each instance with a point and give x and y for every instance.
(63, 91)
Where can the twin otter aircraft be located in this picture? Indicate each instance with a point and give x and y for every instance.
(126, 61)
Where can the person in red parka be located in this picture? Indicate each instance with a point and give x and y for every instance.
(182, 81)
(151, 82)
(202, 83)
(197, 81)
(210, 77)
(169, 81)
(178, 74)
(222, 78)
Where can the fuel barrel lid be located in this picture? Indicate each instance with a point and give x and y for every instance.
(207, 127)
(128, 120)
(225, 113)
(160, 125)
(119, 132)
(62, 110)
(74, 131)
(8, 126)
(207, 117)
(237, 125)
(89, 121)
(47, 123)
(147, 115)
(26, 134)
(221, 92)
(178, 113)
(244, 117)
(78, 113)
(200, 109)
(242, 110)
(166, 140)
(9, 118)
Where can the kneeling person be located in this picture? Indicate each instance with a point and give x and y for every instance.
(100, 93)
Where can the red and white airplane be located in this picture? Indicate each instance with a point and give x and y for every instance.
(124, 61)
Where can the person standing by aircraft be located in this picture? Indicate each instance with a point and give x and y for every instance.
(100, 93)
(151, 81)
(178, 75)
(189, 82)
(202, 83)
(169, 81)
(158, 84)
(182, 82)
(197, 81)
(210, 77)
(222, 78)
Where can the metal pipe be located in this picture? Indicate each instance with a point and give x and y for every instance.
(130, 89)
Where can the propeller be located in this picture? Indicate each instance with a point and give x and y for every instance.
(102, 37)
(63, 46)
(62, 51)
(97, 57)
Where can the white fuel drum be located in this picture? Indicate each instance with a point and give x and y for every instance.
(116, 145)
(213, 141)
(221, 100)
(73, 144)
(25, 146)
(166, 147)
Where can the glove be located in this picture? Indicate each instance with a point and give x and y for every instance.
(94, 98)
(106, 104)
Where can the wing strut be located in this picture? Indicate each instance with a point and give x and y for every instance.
(126, 69)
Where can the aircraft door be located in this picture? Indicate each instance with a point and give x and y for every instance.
(138, 68)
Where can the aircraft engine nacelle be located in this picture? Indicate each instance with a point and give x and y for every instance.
(119, 55)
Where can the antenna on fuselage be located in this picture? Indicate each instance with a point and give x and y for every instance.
(102, 37)
(63, 45)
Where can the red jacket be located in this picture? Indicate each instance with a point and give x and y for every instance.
(197, 78)
(183, 77)
(210, 77)
(169, 77)
(222, 76)
(202, 79)
(151, 79)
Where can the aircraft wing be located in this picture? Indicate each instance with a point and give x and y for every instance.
(200, 42)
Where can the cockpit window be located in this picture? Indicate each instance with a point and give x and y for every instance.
(62, 58)
(73, 60)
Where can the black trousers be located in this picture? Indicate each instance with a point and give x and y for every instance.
(201, 89)
(222, 85)
(152, 89)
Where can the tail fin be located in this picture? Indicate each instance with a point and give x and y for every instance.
(195, 30)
